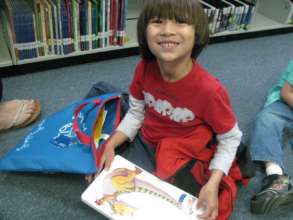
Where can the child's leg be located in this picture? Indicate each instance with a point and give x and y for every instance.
(140, 153)
(266, 146)
(266, 139)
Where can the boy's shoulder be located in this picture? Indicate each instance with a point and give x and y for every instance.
(206, 76)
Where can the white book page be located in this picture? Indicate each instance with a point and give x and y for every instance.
(128, 192)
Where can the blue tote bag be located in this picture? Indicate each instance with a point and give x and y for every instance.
(69, 141)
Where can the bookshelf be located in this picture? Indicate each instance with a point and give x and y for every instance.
(263, 23)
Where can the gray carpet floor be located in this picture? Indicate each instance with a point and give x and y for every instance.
(248, 68)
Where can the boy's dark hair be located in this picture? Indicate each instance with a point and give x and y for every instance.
(190, 11)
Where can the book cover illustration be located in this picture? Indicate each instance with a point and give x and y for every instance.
(128, 192)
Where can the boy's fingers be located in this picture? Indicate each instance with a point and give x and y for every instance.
(201, 204)
(214, 214)
(102, 162)
(205, 215)
(107, 164)
(89, 178)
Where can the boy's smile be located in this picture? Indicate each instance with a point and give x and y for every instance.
(168, 45)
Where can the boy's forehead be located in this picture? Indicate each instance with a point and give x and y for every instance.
(167, 12)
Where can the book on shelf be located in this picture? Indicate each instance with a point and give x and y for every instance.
(102, 33)
(7, 34)
(21, 25)
(83, 11)
(212, 13)
(250, 13)
(95, 23)
(127, 191)
(59, 35)
(55, 27)
(107, 22)
(75, 24)
(244, 13)
(49, 27)
(122, 22)
(224, 11)
(236, 14)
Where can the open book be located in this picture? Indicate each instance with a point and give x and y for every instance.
(127, 191)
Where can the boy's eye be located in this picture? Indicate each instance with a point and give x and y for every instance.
(181, 20)
(156, 21)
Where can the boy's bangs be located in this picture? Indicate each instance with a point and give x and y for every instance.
(172, 9)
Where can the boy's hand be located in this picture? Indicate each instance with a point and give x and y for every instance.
(106, 160)
(107, 157)
(208, 201)
(208, 196)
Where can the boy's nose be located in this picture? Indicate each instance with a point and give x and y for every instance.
(168, 27)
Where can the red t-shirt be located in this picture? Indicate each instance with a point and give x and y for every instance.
(174, 109)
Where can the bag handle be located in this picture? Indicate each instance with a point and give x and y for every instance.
(84, 138)
(98, 152)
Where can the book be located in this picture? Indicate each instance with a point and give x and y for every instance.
(213, 13)
(95, 40)
(84, 29)
(22, 28)
(250, 13)
(224, 11)
(236, 18)
(127, 191)
(8, 35)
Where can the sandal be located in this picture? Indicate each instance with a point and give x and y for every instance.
(277, 191)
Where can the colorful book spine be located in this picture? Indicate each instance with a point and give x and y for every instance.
(83, 11)
(22, 25)
(95, 39)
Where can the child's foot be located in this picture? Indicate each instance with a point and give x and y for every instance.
(18, 113)
(277, 190)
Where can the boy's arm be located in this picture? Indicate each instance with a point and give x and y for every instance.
(220, 165)
(133, 119)
(287, 94)
(226, 149)
(127, 129)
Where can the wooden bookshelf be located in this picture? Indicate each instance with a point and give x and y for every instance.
(261, 25)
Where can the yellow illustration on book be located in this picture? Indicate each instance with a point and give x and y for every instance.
(122, 180)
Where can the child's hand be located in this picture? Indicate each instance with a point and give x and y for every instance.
(106, 160)
(107, 156)
(90, 177)
(208, 201)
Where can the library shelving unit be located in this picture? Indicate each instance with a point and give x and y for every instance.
(264, 22)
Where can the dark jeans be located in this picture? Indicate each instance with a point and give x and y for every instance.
(140, 153)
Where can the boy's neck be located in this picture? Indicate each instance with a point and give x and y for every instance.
(172, 72)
